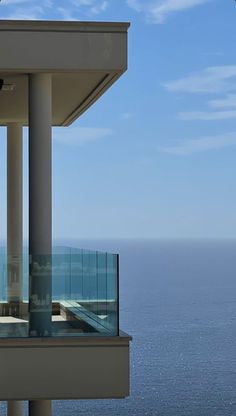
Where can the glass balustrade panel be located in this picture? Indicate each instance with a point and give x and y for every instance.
(71, 292)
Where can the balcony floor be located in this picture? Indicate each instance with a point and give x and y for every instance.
(16, 327)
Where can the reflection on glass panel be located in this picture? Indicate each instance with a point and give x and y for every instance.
(40, 299)
(25, 275)
(61, 273)
(102, 283)
(3, 274)
(76, 274)
(112, 289)
(73, 292)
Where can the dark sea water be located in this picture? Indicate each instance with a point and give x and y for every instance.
(178, 301)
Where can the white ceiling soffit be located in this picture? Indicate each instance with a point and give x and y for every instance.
(84, 58)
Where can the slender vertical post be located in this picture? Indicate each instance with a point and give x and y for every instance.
(40, 216)
(40, 205)
(14, 408)
(14, 233)
(40, 407)
(14, 217)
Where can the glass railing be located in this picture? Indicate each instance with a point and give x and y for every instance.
(71, 292)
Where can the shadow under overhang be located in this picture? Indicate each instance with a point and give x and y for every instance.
(84, 58)
(72, 94)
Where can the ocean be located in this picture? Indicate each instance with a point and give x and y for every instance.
(178, 301)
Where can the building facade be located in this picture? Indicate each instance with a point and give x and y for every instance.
(59, 307)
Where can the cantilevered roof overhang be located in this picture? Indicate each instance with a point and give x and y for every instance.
(84, 58)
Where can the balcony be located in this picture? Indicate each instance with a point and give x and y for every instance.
(82, 301)
(45, 337)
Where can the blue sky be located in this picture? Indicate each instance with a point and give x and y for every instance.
(155, 157)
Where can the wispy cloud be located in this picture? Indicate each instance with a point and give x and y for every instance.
(23, 15)
(188, 147)
(26, 3)
(25, 9)
(99, 7)
(79, 136)
(210, 80)
(127, 116)
(157, 11)
(14, 2)
(93, 6)
(207, 115)
(31, 9)
(65, 13)
(228, 102)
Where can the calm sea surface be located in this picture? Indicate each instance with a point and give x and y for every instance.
(178, 301)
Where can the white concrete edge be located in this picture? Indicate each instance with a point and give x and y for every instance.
(96, 93)
(54, 25)
(80, 341)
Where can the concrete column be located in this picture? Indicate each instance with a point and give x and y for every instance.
(40, 407)
(14, 408)
(14, 234)
(40, 205)
(14, 217)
